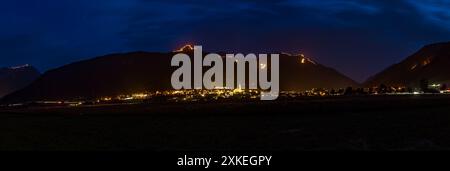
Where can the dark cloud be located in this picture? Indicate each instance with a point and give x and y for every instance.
(357, 37)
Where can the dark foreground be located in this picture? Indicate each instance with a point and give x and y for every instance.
(349, 123)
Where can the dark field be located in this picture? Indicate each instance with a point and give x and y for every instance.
(332, 123)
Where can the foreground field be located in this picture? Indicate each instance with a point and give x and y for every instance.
(334, 123)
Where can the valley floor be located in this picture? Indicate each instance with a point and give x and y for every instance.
(332, 123)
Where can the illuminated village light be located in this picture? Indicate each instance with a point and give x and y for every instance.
(140, 96)
(19, 67)
(285, 53)
(435, 85)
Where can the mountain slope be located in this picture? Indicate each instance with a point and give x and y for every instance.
(298, 72)
(15, 78)
(430, 63)
(141, 71)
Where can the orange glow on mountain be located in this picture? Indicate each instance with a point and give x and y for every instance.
(304, 59)
(185, 48)
(426, 62)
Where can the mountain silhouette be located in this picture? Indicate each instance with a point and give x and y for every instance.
(15, 78)
(429, 63)
(128, 73)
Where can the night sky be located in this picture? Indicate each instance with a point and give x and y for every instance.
(358, 38)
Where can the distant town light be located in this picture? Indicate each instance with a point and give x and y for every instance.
(285, 53)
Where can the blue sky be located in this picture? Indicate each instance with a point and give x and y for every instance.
(356, 37)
